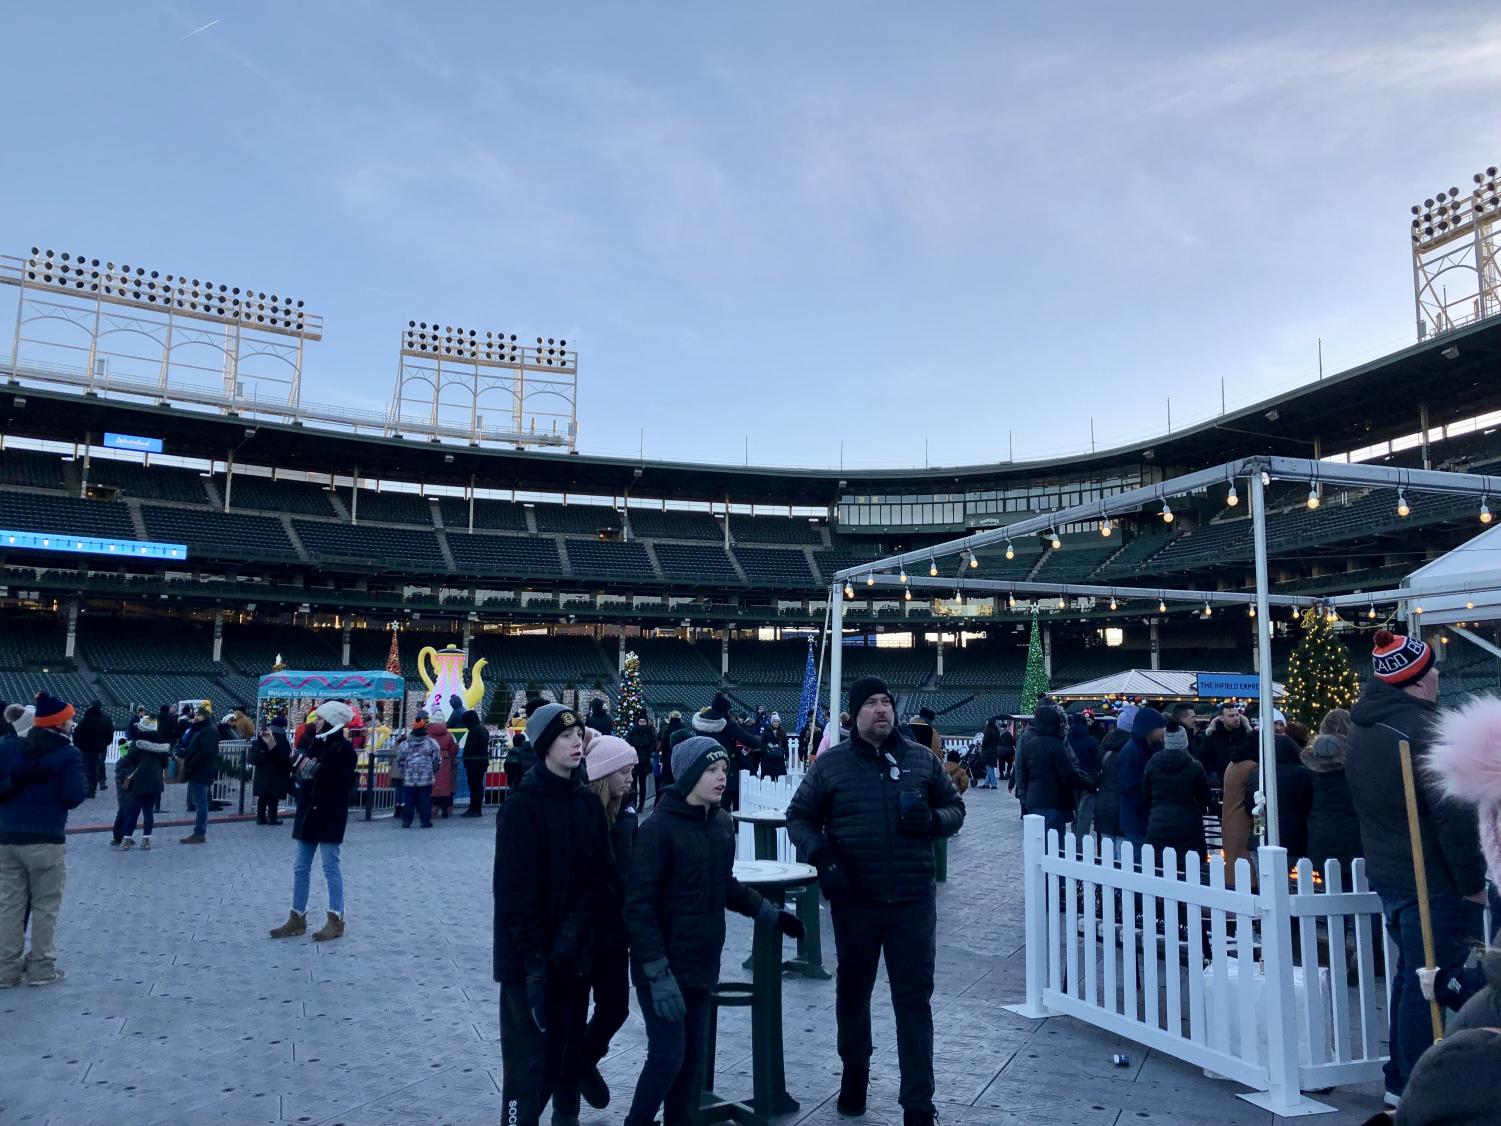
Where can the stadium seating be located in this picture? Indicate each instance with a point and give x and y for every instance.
(609, 559)
(253, 648)
(22, 687)
(774, 529)
(576, 519)
(148, 482)
(302, 498)
(393, 549)
(984, 666)
(34, 512)
(995, 565)
(32, 468)
(521, 557)
(901, 669)
(830, 562)
(700, 563)
(146, 645)
(773, 567)
(672, 661)
(226, 534)
(491, 515)
(1074, 563)
(153, 690)
(394, 508)
(31, 642)
(1127, 563)
(550, 662)
(656, 523)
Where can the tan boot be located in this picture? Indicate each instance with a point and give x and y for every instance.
(332, 929)
(296, 924)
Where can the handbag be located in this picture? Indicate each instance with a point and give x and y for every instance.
(128, 779)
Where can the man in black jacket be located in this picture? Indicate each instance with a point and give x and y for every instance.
(715, 722)
(200, 766)
(1048, 776)
(92, 737)
(476, 752)
(1399, 704)
(1229, 739)
(865, 816)
(554, 874)
(643, 741)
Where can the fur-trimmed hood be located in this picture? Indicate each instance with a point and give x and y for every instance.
(1465, 759)
(705, 722)
(1326, 755)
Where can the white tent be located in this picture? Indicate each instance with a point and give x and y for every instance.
(1471, 577)
(1153, 684)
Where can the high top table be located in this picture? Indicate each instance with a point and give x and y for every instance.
(773, 879)
(764, 824)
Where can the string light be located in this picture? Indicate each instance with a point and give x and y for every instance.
(1371, 613)
(1011, 602)
(1010, 551)
(1167, 513)
(1402, 509)
(1417, 609)
(959, 597)
(1485, 517)
(1313, 497)
(1232, 498)
(1296, 615)
(932, 567)
(1161, 606)
(849, 591)
(907, 594)
(903, 575)
(974, 560)
(1250, 611)
(870, 578)
(1469, 605)
(1105, 527)
(1208, 613)
(1054, 542)
(1062, 603)
(1444, 639)
(1112, 602)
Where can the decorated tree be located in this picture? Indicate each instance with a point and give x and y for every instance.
(393, 666)
(632, 703)
(1319, 676)
(1035, 683)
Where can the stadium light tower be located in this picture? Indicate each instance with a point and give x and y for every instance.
(1456, 278)
(448, 379)
(81, 321)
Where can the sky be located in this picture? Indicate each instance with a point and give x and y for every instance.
(862, 234)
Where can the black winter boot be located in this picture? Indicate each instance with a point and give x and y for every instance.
(919, 1118)
(852, 1087)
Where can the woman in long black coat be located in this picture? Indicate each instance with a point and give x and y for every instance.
(1175, 791)
(271, 755)
(324, 769)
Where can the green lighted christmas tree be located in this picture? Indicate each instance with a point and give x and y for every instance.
(1035, 683)
(632, 703)
(1319, 676)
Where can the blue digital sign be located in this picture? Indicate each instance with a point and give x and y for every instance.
(132, 442)
(1220, 685)
(92, 545)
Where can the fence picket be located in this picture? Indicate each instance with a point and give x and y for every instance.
(1054, 966)
(1371, 1030)
(1128, 933)
(1149, 997)
(1092, 888)
(1245, 949)
(1219, 962)
(1071, 907)
(1172, 956)
(1339, 991)
(1197, 1032)
(1308, 943)
(1109, 942)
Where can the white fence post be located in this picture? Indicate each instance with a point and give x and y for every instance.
(1036, 924)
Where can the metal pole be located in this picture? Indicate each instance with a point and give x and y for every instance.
(836, 658)
(1423, 428)
(1263, 625)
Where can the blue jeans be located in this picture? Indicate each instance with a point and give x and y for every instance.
(419, 801)
(1456, 923)
(674, 1051)
(993, 776)
(141, 806)
(302, 868)
(198, 795)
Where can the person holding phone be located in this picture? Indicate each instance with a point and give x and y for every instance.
(865, 816)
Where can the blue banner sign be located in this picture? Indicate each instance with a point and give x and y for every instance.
(132, 442)
(91, 545)
(1218, 685)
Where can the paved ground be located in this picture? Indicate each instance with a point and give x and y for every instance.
(178, 1009)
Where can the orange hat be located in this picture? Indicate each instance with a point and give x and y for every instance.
(1400, 660)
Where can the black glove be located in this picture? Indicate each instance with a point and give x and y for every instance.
(666, 997)
(917, 818)
(832, 881)
(790, 925)
(536, 1001)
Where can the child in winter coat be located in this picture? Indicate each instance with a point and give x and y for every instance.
(679, 886)
(554, 879)
(418, 760)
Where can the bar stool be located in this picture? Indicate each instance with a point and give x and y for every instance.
(725, 995)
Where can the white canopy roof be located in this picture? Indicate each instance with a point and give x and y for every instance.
(1151, 683)
(1476, 566)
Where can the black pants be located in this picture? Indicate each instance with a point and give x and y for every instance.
(674, 1050)
(265, 809)
(610, 981)
(640, 775)
(532, 1061)
(94, 772)
(474, 771)
(419, 803)
(906, 933)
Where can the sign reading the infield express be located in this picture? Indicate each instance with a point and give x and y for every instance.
(132, 442)
(1215, 685)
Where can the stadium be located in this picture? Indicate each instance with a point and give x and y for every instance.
(170, 529)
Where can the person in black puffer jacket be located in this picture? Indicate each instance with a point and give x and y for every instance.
(1175, 790)
(1048, 777)
(200, 766)
(1294, 797)
(1333, 824)
(865, 816)
(715, 722)
(680, 883)
(1228, 739)
(1085, 749)
(554, 879)
(92, 736)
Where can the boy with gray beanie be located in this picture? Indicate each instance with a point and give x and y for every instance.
(680, 883)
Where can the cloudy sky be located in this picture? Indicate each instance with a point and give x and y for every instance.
(869, 231)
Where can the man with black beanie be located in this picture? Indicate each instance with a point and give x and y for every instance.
(476, 752)
(865, 816)
(554, 875)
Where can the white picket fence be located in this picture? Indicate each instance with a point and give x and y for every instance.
(1263, 972)
(773, 794)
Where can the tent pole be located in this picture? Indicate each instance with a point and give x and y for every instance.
(836, 658)
(1263, 626)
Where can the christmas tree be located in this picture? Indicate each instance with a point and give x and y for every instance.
(1319, 676)
(393, 666)
(1035, 683)
(632, 703)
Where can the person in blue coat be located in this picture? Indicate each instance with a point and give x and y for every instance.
(1147, 731)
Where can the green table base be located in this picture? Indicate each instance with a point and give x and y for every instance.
(809, 960)
(941, 859)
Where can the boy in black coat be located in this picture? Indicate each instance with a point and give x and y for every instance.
(554, 874)
(681, 881)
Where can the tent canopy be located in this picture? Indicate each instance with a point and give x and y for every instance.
(1166, 684)
(1474, 565)
(339, 684)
